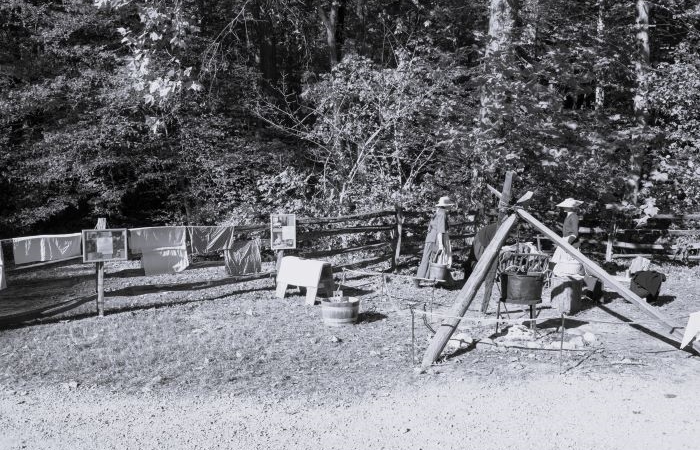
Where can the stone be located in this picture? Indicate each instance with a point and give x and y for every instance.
(589, 337)
(334, 339)
(577, 341)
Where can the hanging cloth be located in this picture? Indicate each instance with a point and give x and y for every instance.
(3, 282)
(243, 257)
(46, 248)
(204, 240)
(163, 249)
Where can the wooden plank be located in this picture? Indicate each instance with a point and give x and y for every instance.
(360, 216)
(340, 251)
(683, 217)
(47, 264)
(504, 202)
(672, 256)
(661, 231)
(349, 230)
(468, 292)
(606, 278)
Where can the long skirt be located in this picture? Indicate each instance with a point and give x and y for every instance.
(428, 252)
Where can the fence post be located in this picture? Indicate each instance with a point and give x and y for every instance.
(100, 270)
(397, 238)
(609, 245)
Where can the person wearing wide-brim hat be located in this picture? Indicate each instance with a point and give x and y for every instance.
(570, 229)
(437, 241)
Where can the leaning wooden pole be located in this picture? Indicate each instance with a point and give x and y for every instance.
(468, 292)
(601, 274)
(504, 200)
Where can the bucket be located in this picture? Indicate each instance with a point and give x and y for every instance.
(340, 311)
(566, 294)
(521, 287)
(437, 271)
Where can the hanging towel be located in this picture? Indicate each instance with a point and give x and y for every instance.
(243, 257)
(3, 282)
(205, 240)
(46, 248)
(162, 249)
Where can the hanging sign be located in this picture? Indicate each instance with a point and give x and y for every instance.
(283, 231)
(104, 245)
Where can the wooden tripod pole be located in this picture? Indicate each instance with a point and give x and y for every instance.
(601, 274)
(468, 292)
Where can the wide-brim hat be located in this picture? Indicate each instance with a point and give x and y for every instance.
(570, 203)
(445, 202)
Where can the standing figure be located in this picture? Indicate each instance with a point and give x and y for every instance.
(570, 229)
(437, 242)
(565, 264)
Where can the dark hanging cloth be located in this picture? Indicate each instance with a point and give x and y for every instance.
(482, 238)
(205, 240)
(647, 284)
(438, 224)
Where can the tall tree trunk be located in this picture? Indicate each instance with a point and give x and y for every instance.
(334, 21)
(267, 44)
(600, 29)
(641, 110)
(502, 15)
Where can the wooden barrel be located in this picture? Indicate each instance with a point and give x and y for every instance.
(340, 311)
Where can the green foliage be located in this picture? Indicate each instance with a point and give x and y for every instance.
(159, 111)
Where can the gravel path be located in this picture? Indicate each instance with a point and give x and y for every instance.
(548, 411)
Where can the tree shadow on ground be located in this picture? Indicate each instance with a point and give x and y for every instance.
(352, 291)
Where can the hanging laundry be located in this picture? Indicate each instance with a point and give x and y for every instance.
(163, 249)
(205, 240)
(243, 257)
(3, 282)
(46, 248)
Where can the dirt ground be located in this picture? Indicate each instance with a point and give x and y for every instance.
(193, 361)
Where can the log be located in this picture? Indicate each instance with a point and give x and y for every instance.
(606, 278)
(468, 292)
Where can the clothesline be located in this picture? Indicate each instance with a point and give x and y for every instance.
(7, 240)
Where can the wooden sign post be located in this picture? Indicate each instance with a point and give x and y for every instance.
(100, 269)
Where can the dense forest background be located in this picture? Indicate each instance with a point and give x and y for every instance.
(209, 111)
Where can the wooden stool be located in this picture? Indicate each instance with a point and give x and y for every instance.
(309, 274)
